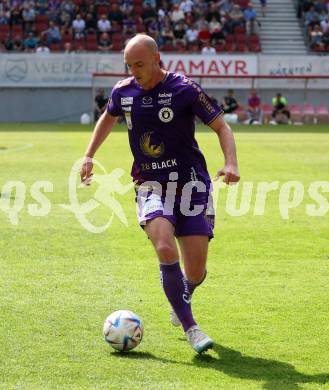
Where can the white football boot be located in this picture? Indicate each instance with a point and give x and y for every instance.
(199, 341)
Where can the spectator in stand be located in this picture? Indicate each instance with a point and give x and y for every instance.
(16, 15)
(325, 39)
(263, 5)
(78, 26)
(254, 111)
(42, 7)
(64, 20)
(68, 7)
(129, 25)
(30, 43)
(215, 29)
(151, 3)
(250, 17)
(91, 24)
(208, 49)
(68, 49)
(28, 15)
(179, 34)
(192, 36)
(230, 105)
(186, 6)
(225, 6)
(127, 7)
(316, 38)
(42, 48)
(52, 34)
(213, 12)
(200, 8)
(17, 44)
(148, 15)
(53, 9)
(4, 17)
(280, 112)
(204, 34)
(104, 43)
(236, 18)
(116, 14)
(167, 35)
(176, 14)
(321, 5)
(103, 24)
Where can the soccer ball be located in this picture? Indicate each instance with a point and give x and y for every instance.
(123, 330)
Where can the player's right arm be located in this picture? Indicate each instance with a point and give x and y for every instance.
(102, 129)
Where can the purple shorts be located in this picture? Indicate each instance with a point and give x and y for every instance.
(191, 215)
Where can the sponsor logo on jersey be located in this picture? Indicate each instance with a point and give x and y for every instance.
(127, 100)
(165, 101)
(165, 95)
(147, 100)
(166, 114)
(170, 163)
(149, 146)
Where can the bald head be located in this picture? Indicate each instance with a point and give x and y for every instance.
(141, 42)
(142, 58)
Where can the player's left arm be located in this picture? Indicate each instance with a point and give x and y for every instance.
(227, 143)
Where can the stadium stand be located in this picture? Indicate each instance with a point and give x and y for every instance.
(184, 26)
(314, 16)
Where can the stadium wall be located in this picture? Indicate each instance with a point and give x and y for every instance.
(57, 87)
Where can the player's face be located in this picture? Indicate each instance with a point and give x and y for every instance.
(141, 64)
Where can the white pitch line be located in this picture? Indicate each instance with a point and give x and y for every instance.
(26, 146)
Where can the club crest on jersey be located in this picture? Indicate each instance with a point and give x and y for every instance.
(166, 114)
(149, 146)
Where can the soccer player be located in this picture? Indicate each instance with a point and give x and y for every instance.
(160, 108)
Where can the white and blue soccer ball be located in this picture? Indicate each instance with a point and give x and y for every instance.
(123, 330)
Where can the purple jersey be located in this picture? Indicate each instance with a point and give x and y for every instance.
(161, 127)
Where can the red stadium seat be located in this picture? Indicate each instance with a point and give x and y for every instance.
(239, 30)
(4, 28)
(117, 37)
(322, 114)
(138, 9)
(91, 38)
(308, 113)
(229, 47)
(41, 19)
(295, 112)
(41, 26)
(229, 38)
(140, 28)
(241, 38)
(254, 47)
(55, 47)
(16, 29)
(220, 47)
(254, 38)
(241, 112)
(91, 46)
(168, 47)
(117, 46)
(241, 47)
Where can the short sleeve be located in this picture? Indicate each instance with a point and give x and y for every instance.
(202, 105)
(113, 106)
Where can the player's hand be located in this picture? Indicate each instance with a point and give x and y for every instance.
(230, 173)
(86, 171)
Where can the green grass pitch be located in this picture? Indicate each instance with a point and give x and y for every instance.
(265, 301)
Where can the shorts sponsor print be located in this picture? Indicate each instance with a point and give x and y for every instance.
(191, 215)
